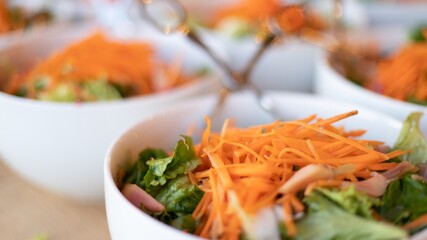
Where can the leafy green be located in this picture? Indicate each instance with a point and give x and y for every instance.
(64, 92)
(101, 89)
(415, 100)
(41, 82)
(180, 195)
(183, 159)
(136, 173)
(404, 200)
(185, 222)
(412, 138)
(417, 35)
(164, 177)
(326, 220)
(283, 231)
(156, 170)
(160, 170)
(350, 200)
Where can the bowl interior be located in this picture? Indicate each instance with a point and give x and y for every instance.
(21, 54)
(163, 130)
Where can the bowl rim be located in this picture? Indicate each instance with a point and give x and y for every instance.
(109, 182)
(157, 97)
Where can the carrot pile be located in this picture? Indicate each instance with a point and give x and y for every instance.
(121, 63)
(244, 170)
(5, 25)
(258, 13)
(404, 75)
(249, 10)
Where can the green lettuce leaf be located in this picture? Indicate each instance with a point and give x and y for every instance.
(183, 159)
(63, 92)
(326, 220)
(180, 195)
(96, 90)
(417, 35)
(404, 200)
(164, 169)
(185, 222)
(136, 173)
(412, 138)
(350, 200)
(164, 177)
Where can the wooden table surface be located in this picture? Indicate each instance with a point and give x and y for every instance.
(27, 211)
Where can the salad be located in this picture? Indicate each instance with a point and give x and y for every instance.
(401, 75)
(302, 179)
(96, 69)
(243, 18)
(16, 17)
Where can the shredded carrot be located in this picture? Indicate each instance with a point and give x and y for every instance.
(289, 222)
(244, 168)
(249, 10)
(131, 65)
(403, 75)
(256, 13)
(5, 25)
(382, 166)
(419, 222)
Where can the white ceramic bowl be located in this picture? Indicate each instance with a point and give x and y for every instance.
(162, 131)
(329, 83)
(288, 66)
(61, 146)
(403, 12)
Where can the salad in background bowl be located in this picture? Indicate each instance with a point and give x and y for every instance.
(19, 18)
(273, 180)
(60, 144)
(242, 24)
(392, 81)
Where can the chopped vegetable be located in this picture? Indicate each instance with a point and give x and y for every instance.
(419, 34)
(243, 18)
(412, 138)
(403, 76)
(165, 179)
(97, 69)
(302, 179)
(325, 221)
(16, 18)
(404, 200)
(180, 195)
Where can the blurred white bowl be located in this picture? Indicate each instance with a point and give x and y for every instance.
(288, 66)
(162, 131)
(403, 13)
(329, 83)
(61, 146)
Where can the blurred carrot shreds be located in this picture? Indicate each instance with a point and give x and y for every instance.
(249, 10)
(131, 65)
(4, 17)
(256, 13)
(404, 75)
(272, 161)
(14, 18)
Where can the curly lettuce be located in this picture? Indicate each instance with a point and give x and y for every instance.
(411, 138)
(330, 216)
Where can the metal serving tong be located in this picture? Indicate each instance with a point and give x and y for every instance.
(169, 16)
